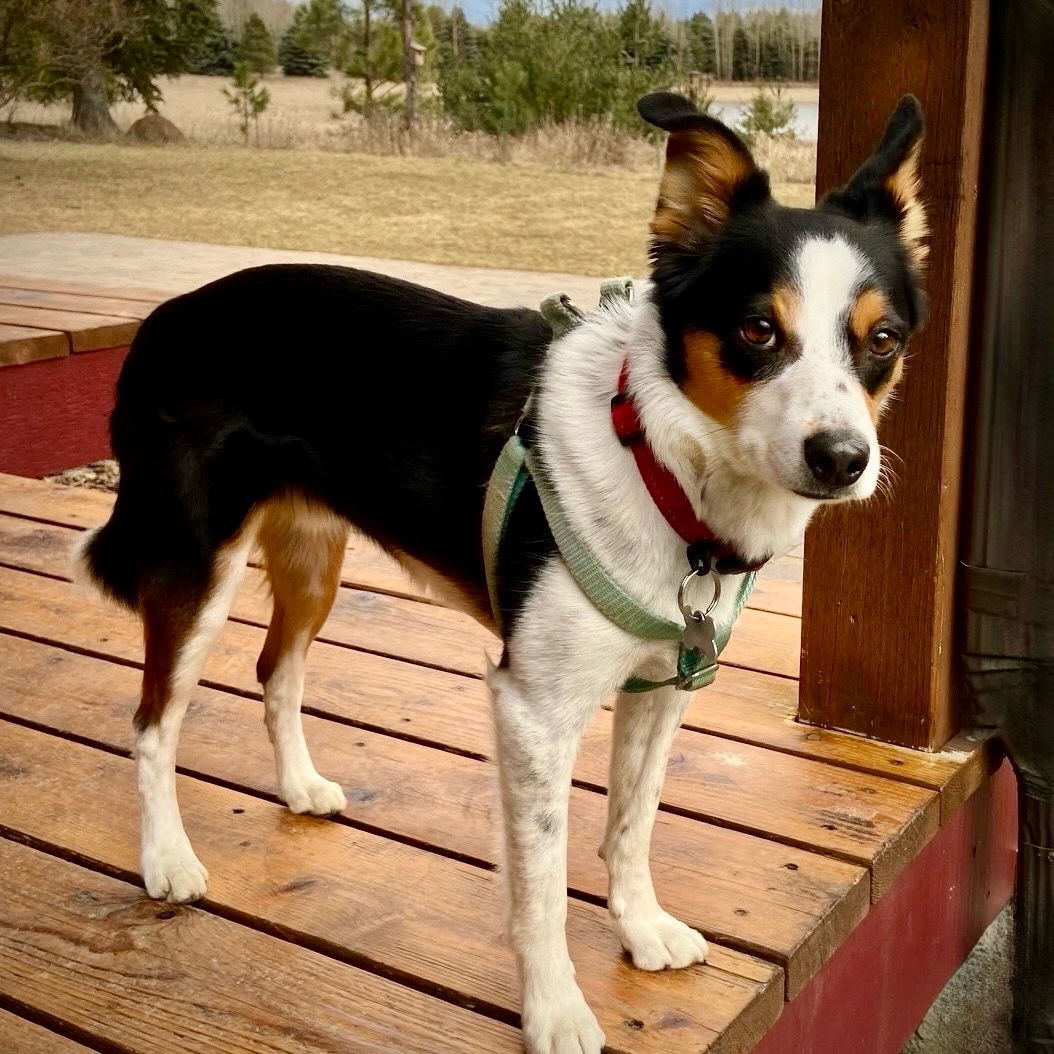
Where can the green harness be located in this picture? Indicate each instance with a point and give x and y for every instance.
(701, 639)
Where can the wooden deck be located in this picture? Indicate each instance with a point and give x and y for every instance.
(380, 930)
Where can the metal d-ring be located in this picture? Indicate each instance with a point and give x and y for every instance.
(686, 610)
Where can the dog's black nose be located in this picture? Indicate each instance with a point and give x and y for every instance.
(837, 459)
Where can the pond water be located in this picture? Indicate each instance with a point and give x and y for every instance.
(805, 121)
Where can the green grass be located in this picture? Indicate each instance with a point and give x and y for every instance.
(452, 211)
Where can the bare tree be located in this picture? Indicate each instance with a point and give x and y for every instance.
(409, 67)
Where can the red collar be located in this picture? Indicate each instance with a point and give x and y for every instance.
(666, 492)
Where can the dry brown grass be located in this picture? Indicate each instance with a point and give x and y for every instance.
(438, 210)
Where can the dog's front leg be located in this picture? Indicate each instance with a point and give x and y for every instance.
(538, 727)
(644, 729)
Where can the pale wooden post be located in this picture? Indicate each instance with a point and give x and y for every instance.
(877, 642)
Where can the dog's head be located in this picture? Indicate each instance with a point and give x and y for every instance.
(788, 327)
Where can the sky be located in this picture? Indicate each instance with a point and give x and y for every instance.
(481, 11)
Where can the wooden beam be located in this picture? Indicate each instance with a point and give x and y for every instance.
(878, 583)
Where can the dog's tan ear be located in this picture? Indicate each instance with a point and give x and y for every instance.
(887, 185)
(709, 172)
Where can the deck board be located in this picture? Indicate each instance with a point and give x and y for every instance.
(735, 887)
(773, 838)
(91, 950)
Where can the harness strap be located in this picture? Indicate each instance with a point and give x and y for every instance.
(516, 464)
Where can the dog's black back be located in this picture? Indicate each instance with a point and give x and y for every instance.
(386, 401)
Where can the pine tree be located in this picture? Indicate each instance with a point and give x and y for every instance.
(248, 99)
(257, 49)
(298, 54)
(218, 54)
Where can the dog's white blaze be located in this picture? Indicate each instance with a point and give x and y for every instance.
(819, 391)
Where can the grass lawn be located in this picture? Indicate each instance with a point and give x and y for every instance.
(444, 210)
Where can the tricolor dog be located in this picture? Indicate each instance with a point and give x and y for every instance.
(282, 406)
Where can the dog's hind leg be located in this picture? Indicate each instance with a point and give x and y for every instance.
(181, 620)
(644, 728)
(303, 546)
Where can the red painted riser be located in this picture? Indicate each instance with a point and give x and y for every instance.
(54, 413)
(874, 991)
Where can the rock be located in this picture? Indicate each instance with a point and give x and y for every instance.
(153, 128)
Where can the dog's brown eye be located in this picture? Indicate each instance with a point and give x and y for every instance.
(884, 342)
(758, 331)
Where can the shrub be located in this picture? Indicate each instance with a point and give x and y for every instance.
(257, 47)
(769, 114)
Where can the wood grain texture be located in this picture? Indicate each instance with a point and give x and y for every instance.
(94, 951)
(22, 344)
(87, 332)
(862, 819)
(56, 285)
(20, 1036)
(366, 566)
(78, 302)
(358, 896)
(392, 625)
(735, 887)
(741, 704)
(877, 607)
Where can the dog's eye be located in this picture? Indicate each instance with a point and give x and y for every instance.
(884, 342)
(758, 332)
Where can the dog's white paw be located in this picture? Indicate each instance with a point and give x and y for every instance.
(561, 1023)
(658, 941)
(174, 874)
(315, 795)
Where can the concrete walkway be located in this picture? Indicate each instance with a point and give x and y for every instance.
(176, 267)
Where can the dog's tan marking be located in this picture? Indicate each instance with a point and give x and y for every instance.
(703, 170)
(786, 308)
(906, 187)
(707, 383)
(302, 543)
(452, 593)
(876, 400)
(871, 308)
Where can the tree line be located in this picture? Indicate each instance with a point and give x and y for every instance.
(539, 61)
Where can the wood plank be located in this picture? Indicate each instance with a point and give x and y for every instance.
(740, 705)
(879, 580)
(387, 625)
(288, 872)
(874, 991)
(753, 708)
(22, 344)
(734, 887)
(366, 566)
(56, 285)
(25, 1037)
(79, 302)
(86, 332)
(380, 623)
(860, 818)
(91, 950)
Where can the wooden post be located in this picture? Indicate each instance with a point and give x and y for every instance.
(878, 586)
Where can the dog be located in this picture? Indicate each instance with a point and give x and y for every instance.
(284, 405)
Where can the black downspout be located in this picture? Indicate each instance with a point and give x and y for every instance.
(1007, 571)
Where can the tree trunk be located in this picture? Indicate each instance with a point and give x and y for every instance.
(91, 108)
(409, 66)
(367, 59)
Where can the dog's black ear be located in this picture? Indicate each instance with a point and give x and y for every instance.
(709, 172)
(886, 187)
